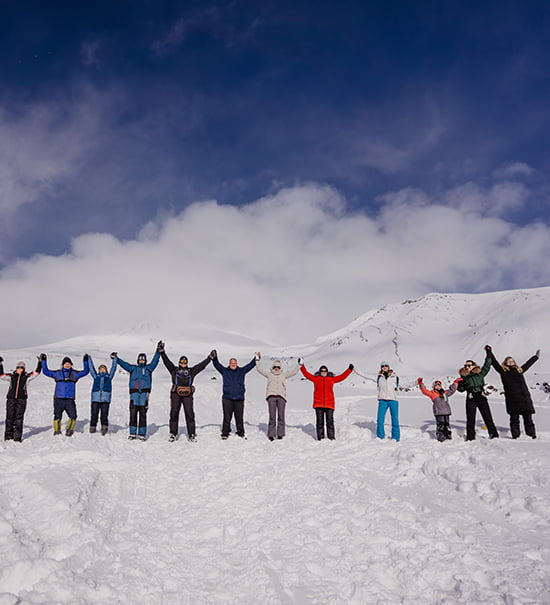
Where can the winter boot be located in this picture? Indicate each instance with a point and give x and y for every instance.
(172, 438)
(57, 427)
(104, 429)
(192, 438)
(142, 437)
(71, 423)
(131, 437)
(93, 429)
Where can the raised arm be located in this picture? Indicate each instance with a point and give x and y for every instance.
(93, 371)
(487, 365)
(293, 372)
(250, 365)
(168, 363)
(365, 377)
(86, 370)
(306, 373)
(217, 364)
(344, 374)
(200, 366)
(495, 363)
(530, 362)
(45, 370)
(154, 362)
(261, 370)
(124, 364)
(113, 369)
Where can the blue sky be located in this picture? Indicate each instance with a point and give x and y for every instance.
(115, 117)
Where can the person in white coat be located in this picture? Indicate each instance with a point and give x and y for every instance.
(387, 382)
(276, 396)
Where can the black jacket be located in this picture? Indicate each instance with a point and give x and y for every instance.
(18, 383)
(183, 377)
(516, 392)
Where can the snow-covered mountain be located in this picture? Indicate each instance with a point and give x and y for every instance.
(437, 332)
(93, 519)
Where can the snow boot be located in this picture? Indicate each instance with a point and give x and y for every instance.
(57, 427)
(172, 438)
(71, 423)
(104, 429)
(131, 437)
(192, 438)
(142, 437)
(271, 438)
(93, 429)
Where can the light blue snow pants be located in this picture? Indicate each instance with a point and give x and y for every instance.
(383, 405)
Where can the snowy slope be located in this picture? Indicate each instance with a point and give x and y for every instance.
(94, 519)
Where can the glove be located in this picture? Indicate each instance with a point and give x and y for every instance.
(537, 353)
(488, 348)
(213, 353)
(86, 357)
(43, 356)
(160, 347)
(114, 354)
(351, 366)
(38, 365)
(258, 355)
(457, 380)
(419, 380)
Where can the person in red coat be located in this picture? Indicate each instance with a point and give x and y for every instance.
(323, 397)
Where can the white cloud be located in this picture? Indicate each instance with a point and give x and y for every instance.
(512, 170)
(286, 268)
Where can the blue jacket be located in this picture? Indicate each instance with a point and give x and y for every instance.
(233, 380)
(141, 376)
(103, 383)
(65, 386)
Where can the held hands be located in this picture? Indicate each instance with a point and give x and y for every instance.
(419, 380)
(351, 366)
(213, 353)
(86, 357)
(114, 354)
(258, 355)
(488, 348)
(160, 347)
(300, 361)
(43, 357)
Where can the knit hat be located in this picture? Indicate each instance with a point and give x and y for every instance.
(183, 358)
(384, 363)
(20, 364)
(66, 360)
(142, 357)
(323, 368)
(277, 364)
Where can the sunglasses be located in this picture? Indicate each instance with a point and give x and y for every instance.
(468, 365)
(276, 367)
(183, 361)
(19, 367)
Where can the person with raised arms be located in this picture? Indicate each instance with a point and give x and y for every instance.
(102, 389)
(516, 392)
(440, 406)
(233, 389)
(65, 391)
(323, 397)
(276, 396)
(16, 398)
(139, 383)
(181, 393)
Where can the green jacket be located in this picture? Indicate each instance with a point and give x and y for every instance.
(472, 381)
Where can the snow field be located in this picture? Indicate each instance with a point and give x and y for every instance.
(93, 519)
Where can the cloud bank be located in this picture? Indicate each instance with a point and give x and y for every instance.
(285, 268)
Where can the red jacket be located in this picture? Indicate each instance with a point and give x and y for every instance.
(323, 391)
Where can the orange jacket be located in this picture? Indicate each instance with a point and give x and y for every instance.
(323, 387)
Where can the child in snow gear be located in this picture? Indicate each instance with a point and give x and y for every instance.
(387, 383)
(323, 397)
(140, 381)
(102, 389)
(516, 392)
(276, 396)
(472, 383)
(441, 407)
(181, 393)
(16, 399)
(65, 391)
(233, 389)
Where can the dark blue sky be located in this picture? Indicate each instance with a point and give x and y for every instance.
(113, 113)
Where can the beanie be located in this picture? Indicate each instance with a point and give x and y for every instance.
(384, 363)
(142, 357)
(66, 360)
(20, 364)
(183, 358)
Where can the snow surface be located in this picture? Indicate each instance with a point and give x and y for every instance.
(93, 519)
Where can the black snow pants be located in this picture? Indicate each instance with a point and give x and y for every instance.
(474, 402)
(15, 411)
(175, 406)
(233, 407)
(322, 414)
(528, 423)
(443, 428)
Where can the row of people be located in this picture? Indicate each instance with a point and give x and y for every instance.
(471, 381)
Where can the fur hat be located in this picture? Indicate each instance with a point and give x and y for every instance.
(277, 363)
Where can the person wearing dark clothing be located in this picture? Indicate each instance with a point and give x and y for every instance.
(139, 383)
(102, 389)
(516, 393)
(16, 399)
(181, 393)
(233, 388)
(472, 384)
(65, 391)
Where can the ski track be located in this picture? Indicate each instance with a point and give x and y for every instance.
(96, 519)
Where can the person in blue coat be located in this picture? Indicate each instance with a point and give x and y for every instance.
(65, 391)
(233, 393)
(141, 379)
(102, 389)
